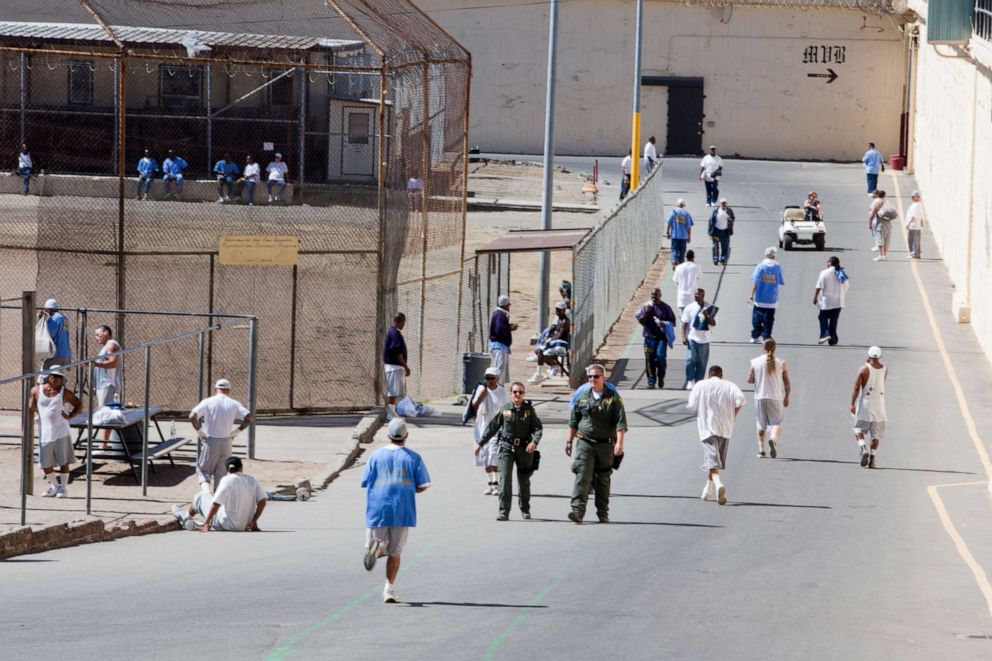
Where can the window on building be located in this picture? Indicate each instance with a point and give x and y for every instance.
(281, 91)
(358, 128)
(981, 20)
(180, 86)
(80, 82)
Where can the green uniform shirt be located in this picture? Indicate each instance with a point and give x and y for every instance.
(598, 419)
(521, 423)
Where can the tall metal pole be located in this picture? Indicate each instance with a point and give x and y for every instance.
(24, 96)
(27, 421)
(144, 432)
(252, 381)
(89, 440)
(304, 77)
(635, 137)
(122, 122)
(210, 120)
(549, 163)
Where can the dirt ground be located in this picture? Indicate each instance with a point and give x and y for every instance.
(521, 180)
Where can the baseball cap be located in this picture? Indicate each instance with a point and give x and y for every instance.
(492, 371)
(503, 300)
(874, 352)
(722, 200)
(51, 304)
(223, 383)
(915, 193)
(233, 462)
(771, 251)
(278, 155)
(397, 429)
(712, 146)
(680, 202)
(55, 372)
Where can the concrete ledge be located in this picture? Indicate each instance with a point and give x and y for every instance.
(368, 426)
(506, 204)
(22, 541)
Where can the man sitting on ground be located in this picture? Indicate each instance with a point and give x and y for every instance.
(236, 506)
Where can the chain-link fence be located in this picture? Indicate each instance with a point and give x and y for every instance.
(610, 264)
(484, 278)
(142, 132)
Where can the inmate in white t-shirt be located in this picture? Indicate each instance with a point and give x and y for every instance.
(687, 278)
(238, 496)
(832, 290)
(219, 413)
(715, 400)
(768, 385)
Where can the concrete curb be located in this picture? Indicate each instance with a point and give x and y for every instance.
(507, 204)
(363, 433)
(22, 541)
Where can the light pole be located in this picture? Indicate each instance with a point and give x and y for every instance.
(549, 162)
(635, 138)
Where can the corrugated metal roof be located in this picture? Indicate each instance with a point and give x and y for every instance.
(138, 36)
(535, 240)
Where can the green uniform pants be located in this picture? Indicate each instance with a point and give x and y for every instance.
(592, 458)
(508, 456)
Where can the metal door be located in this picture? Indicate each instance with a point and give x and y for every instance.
(358, 142)
(685, 120)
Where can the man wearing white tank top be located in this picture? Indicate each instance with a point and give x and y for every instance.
(50, 400)
(868, 405)
(106, 373)
(770, 376)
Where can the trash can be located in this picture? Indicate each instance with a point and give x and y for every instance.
(897, 162)
(473, 370)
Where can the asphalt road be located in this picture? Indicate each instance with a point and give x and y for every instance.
(812, 558)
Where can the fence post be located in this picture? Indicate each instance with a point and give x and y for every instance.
(27, 422)
(24, 96)
(89, 442)
(144, 434)
(210, 119)
(252, 381)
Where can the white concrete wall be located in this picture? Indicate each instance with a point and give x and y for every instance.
(953, 166)
(757, 91)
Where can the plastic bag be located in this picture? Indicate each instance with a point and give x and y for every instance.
(44, 345)
(408, 408)
(108, 415)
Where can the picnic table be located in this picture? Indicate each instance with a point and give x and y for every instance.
(130, 436)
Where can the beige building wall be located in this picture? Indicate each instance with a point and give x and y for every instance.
(952, 162)
(759, 102)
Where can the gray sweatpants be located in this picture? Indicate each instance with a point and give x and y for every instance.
(210, 465)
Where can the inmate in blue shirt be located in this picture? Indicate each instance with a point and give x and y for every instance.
(227, 169)
(60, 335)
(173, 166)
(392, 477)
(147, 167)
(873, 161)
(767, 277)
(679, 222)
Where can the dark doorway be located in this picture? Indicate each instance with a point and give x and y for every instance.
(685, 113)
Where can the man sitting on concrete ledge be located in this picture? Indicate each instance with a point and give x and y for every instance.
(236, 506)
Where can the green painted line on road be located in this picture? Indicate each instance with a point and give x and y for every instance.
(288, 648)
(518, 620)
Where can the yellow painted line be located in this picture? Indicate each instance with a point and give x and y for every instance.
(969, 421)
(976, 569)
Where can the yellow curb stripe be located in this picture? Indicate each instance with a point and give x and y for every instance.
(976, 569)
(969, 422)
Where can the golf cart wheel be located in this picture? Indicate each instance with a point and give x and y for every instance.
(788, 243)
(820, 241)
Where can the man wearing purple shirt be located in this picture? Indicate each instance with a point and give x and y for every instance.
(394, 357)
(652, 317)
(501, 337)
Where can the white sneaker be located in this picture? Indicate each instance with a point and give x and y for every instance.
(389, 596)
(823, 340)
(536, 378)
(532, 358)
(878, 259)
(689, 385)
(721, 495)
(52, 490)
(874, 248)
(708, 491)
(494, 491)
(227, 198)
(220, 200)
(754, 340)
(62, 492)
(270, 199)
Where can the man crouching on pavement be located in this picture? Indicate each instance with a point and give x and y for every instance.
(235, 506)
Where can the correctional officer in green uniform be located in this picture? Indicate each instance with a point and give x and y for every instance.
(599, 421)
(519, 431)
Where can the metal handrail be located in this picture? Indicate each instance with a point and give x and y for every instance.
(137, 347)
(222, 315)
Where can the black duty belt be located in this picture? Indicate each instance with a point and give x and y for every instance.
(515, 442)
(589, 439)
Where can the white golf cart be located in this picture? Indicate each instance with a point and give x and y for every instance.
(796, 228)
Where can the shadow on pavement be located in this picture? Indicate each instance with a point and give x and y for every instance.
(421, 604)
(310, 421)
(882, 468)
(811, 507)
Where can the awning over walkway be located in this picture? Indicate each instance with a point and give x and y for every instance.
(536, 240)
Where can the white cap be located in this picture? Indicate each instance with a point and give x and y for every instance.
(55, 372)
(397, 429)
(503, 300)
(223, 383)
(771, 251)
(680, 202)
(51, 304)
(915, 193)
(492, 371)
(278, 155)
(723, 200)
(874, 352)
(561, 305)
(712, 146)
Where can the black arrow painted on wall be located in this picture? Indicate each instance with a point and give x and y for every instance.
(831, 75)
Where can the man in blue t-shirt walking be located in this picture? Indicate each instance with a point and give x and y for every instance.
(679, 230)
(60, 335)
(874, 164)
(394, 476)
(767, 279)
